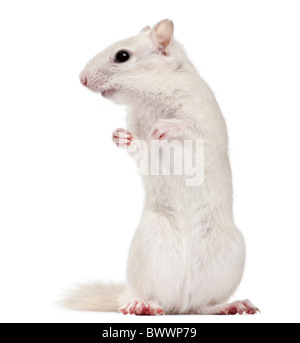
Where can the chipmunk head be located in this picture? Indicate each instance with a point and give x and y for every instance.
(135, 66)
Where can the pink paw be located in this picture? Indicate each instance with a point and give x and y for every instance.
(238, 307)
(165, 128)
(122, 138)
(141, 308)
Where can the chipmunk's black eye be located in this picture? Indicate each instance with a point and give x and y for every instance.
(122, 56)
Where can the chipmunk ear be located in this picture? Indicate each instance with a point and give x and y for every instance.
(145, 29)
(162, 34)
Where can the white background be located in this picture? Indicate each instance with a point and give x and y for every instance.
(70, 200)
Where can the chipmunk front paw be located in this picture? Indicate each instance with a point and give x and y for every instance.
(166, 128)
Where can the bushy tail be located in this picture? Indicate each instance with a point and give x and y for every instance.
(95, 297)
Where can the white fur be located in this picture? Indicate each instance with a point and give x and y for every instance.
(187, 254)
(95, 297)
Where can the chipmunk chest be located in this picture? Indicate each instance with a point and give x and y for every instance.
(142, 125)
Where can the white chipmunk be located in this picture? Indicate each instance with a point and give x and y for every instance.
(187, 255)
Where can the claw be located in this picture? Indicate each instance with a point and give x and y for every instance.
(140, 307)
(237, 307)
(122, 137)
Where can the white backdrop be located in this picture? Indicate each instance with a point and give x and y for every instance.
(70, 200)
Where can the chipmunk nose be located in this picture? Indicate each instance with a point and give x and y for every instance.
(83, 79)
